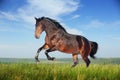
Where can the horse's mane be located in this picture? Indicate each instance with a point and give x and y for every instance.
(58, 25)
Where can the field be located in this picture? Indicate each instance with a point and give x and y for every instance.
(60, 69)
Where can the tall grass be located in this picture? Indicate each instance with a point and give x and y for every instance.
(58, 71)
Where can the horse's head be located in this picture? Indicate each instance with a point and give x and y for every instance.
(39, 27)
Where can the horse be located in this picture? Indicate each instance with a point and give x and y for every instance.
(58, 39)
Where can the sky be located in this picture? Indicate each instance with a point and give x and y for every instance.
(97, 20)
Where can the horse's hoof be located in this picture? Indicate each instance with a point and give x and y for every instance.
(87, 65)
(36, 58)
(73, 65)
(51, 58)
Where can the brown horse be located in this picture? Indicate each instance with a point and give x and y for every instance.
(57, 38)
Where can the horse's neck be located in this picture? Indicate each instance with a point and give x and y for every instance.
(50, 31)
(50, 28)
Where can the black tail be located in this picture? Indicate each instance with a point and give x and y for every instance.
(94, 49)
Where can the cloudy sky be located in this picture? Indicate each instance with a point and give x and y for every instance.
(97, 20)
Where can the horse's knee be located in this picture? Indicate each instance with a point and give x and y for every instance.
(38, 51)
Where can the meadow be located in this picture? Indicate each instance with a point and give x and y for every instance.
(60, 69)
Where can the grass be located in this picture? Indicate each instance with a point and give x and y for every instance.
(58, 71)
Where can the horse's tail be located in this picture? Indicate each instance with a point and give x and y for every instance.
(94, 49)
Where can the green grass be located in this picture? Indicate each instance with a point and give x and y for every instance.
(58, 71)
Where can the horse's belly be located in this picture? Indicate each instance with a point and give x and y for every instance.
(69, 49)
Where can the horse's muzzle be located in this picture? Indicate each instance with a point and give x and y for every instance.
(37, 37)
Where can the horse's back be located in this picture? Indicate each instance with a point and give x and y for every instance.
(68, 43)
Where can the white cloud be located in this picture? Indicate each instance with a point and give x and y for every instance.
(7, 15)
(49, 8)
(101, 24)
(95, 24)
(76, 16)
(72, 30)
(38, 8)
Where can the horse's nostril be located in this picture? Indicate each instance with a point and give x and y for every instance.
(36, 37)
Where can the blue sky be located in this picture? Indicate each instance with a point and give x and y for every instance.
(97, 20)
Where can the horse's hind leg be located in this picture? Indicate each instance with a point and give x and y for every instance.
(46, 53)
(75, 59)
(87, 61)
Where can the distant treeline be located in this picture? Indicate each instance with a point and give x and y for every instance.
(60, 60)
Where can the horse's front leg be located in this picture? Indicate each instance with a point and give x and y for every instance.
(45, 46)
(50, 50)
(75, 59)
(37, 54)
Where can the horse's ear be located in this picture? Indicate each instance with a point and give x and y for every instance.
(36, 19)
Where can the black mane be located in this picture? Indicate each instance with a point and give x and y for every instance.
(58, 25)
(39, 19)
